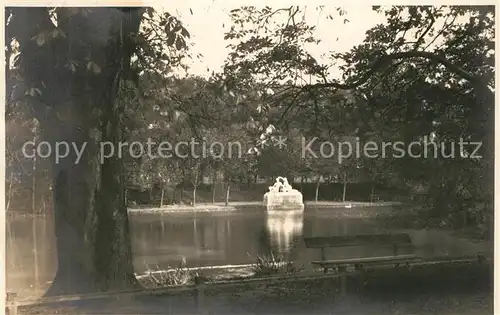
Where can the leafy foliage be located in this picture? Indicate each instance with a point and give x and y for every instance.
(107, 74)
(427, 71)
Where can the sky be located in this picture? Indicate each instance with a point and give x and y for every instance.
(208, 24)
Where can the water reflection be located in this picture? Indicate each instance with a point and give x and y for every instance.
(30, 255)
(200, 239)
(284, 229)
(160, 241)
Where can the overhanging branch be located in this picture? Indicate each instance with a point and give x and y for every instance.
(383, 61)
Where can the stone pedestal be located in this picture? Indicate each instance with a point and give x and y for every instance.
(291, 200)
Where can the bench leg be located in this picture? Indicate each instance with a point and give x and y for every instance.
(343, 284)
(480, 258)
(361, 276)
(343, 281)
(200, 296)
(325, 270)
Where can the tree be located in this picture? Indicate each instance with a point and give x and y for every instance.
(458, 102)
(445, 71)
(70, 66)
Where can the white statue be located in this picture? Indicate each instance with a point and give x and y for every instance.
(282, 196)
(286, 187)
(281, 185)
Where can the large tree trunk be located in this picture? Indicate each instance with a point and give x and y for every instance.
(91, 227)
(90, 213)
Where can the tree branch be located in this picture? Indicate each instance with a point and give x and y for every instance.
(383, 61)
(287, 109)
(422, 37)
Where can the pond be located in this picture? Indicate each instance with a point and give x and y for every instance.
(160, 241)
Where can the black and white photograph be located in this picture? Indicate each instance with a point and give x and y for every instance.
(249, 158)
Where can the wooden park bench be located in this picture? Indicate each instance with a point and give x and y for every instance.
(396, 241)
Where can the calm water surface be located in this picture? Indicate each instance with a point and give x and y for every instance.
(205, 239)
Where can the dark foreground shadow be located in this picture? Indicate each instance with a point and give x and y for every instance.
(438, 289)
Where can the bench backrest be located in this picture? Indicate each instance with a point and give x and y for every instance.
(400, 239)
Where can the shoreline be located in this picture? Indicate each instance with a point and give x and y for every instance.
(383, 278)
(238, 272)
(232, 206)
(241, 205)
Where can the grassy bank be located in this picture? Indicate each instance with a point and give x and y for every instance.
(267, 265)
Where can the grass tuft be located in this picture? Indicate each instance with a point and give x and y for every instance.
(181, 275)
(271, 265)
